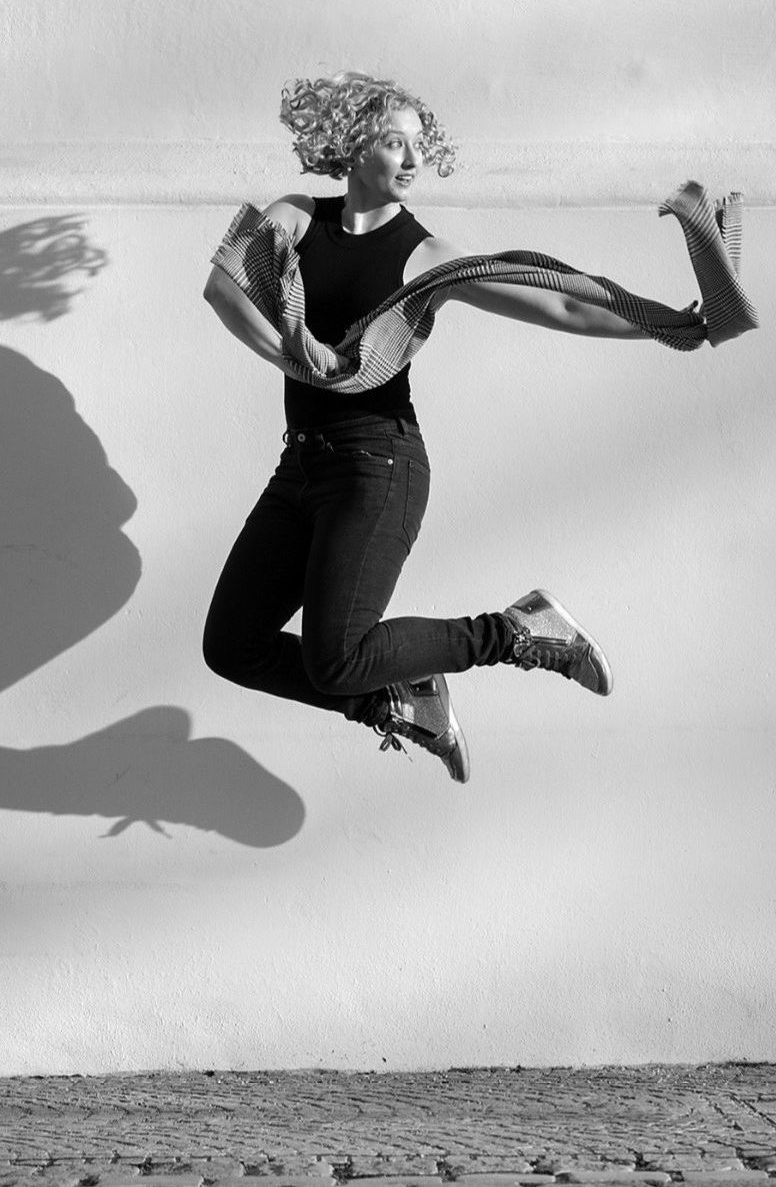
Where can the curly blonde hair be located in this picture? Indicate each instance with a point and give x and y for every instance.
(336, 121)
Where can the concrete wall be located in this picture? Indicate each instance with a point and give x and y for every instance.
(193, 875)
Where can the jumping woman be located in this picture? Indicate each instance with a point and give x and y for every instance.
(339, 516)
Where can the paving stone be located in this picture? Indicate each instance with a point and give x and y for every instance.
(378, 1165)
(614, 1174)
(492, 1165)
(217, 1169)
(478, 1165)
(503, 1179)
(561, 1165)
(760, 1160)
(674, 1163)
(323, 1166)
(718, 1178)
(283, 1180)
(226, 1181)
(717, 1163)
(153, 1178)
(268, 1180)
(398, 1181)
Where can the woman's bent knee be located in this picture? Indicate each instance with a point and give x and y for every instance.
(218, 657)
(224, 657)
(336, 677)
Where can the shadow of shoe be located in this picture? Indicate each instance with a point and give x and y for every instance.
(147, 769)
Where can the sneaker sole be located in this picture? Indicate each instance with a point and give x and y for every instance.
(603, 663)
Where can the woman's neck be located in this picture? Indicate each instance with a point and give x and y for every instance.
(363, 212)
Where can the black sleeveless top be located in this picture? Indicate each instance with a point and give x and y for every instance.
(344, 277)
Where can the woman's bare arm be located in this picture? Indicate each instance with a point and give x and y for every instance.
(539, 307)
(237, 312)
(242, 318)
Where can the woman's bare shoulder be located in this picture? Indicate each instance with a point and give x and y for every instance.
(293, 212)
(429, 253)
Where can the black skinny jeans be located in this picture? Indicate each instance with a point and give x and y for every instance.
(331, 533)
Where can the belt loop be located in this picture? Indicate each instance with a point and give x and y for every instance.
(401, 426)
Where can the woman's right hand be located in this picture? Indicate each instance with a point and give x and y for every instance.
(342, 362)
(289, 366)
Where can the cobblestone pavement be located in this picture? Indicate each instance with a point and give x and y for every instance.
(710, 1126)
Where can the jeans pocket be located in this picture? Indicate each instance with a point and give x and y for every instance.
(347, 452)
(417, 490)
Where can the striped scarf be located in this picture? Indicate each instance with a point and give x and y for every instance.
(259, 256)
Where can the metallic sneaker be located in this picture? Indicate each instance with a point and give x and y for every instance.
(421, 711)
(546, 636)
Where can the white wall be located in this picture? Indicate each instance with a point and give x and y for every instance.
(194, 875)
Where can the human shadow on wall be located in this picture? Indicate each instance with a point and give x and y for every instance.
(147, 769)
(66, 568)
(65, 565)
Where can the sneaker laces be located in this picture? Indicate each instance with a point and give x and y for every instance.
(552, 655)
(549, 658)
(391, 741)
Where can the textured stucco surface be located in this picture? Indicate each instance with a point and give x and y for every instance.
(550, 101)
(193, 876)
(197, 876)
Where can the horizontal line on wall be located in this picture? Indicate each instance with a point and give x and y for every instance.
(487, 174)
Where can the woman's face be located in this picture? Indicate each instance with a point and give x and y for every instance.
(389, 169)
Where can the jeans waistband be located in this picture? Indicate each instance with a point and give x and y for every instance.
(314, 437)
